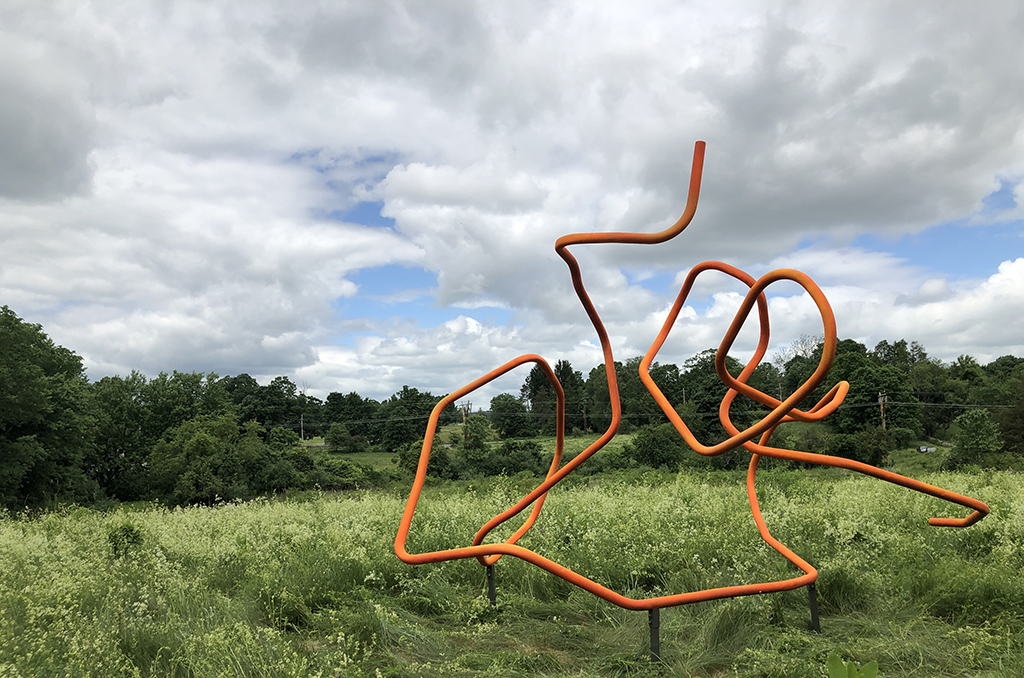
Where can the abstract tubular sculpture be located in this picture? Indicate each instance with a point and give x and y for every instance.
(781, 411)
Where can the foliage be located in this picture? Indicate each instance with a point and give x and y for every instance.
(45, 427)
(313, 588)
(976, 436)
(869, 446)
(124, 537)
(837, 668)
(540, 395)
(63, 439)
(340, 440)
(208, 459)
(509, 417)
(661, 446)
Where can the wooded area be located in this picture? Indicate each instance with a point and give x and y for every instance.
(192, 437)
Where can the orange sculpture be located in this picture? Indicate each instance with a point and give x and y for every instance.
(781, 411)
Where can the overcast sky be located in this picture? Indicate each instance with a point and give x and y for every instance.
(362, 195)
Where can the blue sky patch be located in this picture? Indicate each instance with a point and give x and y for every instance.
(958, 249)
(365, 213)
(955, 249)
(407, 292)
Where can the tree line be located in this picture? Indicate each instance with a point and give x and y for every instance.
(897, 395)
(188, 437)
(183, 437)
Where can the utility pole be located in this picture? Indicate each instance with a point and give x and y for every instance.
(467, 408)
(302, 428)
(882, 398)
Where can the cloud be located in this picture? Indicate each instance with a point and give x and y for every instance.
(171, 171)
(46, 128)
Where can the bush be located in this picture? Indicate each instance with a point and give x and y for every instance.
(124, 537)
(976, 437)
(661, 446)
(515, 456)
(902, 437)
(870, 446)
(339, 439)
(439, 465)
(282, 438)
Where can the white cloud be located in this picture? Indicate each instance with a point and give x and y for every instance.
(169, 169)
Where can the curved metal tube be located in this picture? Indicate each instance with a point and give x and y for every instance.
(781, 411)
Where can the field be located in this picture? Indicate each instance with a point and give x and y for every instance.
(312, 588)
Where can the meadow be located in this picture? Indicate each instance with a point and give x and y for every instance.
(312, 587)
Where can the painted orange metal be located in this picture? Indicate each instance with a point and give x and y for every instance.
(781, 411)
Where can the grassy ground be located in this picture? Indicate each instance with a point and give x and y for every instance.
(314, 589)
(385, 461)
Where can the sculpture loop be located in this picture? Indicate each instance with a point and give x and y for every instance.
(780, 411)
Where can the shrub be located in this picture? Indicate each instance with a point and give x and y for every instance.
(122, 538)
(901, 437)
(976, 436)
(340, 440)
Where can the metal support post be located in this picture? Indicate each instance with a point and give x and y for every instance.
(491, 592)
(812, 596)
(654, 621)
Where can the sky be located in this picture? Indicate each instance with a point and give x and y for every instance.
(366, 195)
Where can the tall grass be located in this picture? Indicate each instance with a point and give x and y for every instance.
(314, 589)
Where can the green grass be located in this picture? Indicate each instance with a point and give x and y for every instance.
(313, 588)
(382, 461)
(910, 462)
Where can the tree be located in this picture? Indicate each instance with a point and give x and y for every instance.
(862, 410)
(357, 413)
(118, 463)
(509, 417)
(976, 435)
(44, 417)
(658, 446)
(705, 390)
(1011, 419)
(416, 407)
(930, 383)
(173, 399)
(340, 440)
(540, 396)
(599, 404)
(575, 390)
(899, 355)
(639, 407)
(400, 430)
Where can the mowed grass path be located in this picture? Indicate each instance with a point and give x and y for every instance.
(313, 588)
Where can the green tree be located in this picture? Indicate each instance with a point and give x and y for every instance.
(472, 444)
(538, 393)
(658, 446)
(599, 404)
(639, 407)
(45, 427)
(360, 415)
(575, 390)
(173, 399)
(191, 463)
(899, 354)
(705, 390)
(976, 435)
(121, 444)
(1011, 419)
(930, 383)
(862, 410)
(400, 430)
(509, 417)
(340, 440)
